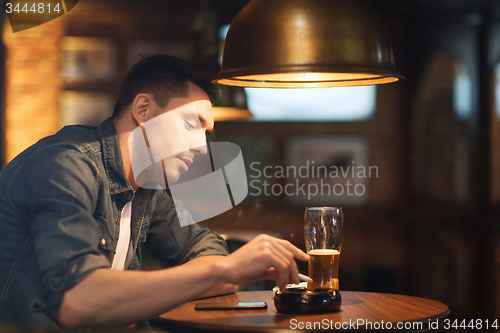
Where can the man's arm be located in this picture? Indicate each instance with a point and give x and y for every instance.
(113, 298)
(177, 245)
(116, 298)
(222, 289)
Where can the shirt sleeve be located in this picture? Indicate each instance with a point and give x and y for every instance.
(176, 245)
(56, 191)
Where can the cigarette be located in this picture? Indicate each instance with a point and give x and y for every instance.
(305, 278)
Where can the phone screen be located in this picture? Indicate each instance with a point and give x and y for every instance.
(231, 306)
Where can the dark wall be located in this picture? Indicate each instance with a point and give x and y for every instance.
(455, 237)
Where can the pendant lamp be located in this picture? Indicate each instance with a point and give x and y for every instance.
(307, 43)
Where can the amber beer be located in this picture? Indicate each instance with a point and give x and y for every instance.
(323, 269)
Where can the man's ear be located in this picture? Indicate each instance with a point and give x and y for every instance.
(141, 107)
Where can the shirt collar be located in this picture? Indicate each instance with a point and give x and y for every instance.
(112, 158)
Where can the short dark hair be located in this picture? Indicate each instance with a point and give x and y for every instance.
(163, 77)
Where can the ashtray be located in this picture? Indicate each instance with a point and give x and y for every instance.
(301, 300)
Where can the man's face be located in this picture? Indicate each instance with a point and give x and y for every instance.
(177, 132)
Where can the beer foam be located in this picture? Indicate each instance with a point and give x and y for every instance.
(323, 252)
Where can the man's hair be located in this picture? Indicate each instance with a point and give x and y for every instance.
(162, 76)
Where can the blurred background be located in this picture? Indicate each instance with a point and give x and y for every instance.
(424, 222)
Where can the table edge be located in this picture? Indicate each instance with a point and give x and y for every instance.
(197, 327)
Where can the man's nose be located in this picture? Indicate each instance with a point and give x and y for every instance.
(200, 150)
(199, 145)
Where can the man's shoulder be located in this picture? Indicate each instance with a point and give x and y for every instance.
(79, 137)
(70, 140)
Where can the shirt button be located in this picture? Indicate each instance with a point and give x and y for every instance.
(103, 241)
(140, 204)
(117, 221)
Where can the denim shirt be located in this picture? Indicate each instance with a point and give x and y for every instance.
(60, 208)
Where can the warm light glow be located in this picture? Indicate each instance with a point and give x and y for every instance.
(227, 113)
(307, 77)
(307, 80)
(69, 43)
(32, 86)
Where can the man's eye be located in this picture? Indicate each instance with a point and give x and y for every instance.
(190, 125)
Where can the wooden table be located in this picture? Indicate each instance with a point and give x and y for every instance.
(361, 311)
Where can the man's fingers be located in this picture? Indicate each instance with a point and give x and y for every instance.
(282, 262)
(268, 258)
(273, 274)
(297, 253)
(293, 271)
(270, 274)
(284, 253)
(285, 265)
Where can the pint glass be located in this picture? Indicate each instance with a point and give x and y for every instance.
(323, 231)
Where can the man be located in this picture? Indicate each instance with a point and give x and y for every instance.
(65, 202)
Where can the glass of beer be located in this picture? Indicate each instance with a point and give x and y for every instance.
(323, 231)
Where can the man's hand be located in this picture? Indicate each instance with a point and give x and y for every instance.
(263, 258)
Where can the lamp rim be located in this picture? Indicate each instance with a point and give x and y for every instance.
(295, 84)
(298, 68)
(260, 78)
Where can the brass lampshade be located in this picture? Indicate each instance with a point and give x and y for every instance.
(307, 43)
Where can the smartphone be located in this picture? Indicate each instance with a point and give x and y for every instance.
(231, 306)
